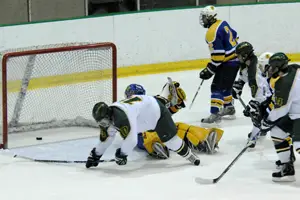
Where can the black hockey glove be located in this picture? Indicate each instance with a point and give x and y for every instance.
(246, 111)
(253, 110)
(237, 88)
(93, 159)
(208, 71)
(121, 159)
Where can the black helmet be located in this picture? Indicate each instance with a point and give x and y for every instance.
(278, 63)
(243, 51)
(102, 111)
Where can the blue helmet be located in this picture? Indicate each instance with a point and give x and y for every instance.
(134, 89)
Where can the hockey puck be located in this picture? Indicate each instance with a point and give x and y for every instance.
(39, 138)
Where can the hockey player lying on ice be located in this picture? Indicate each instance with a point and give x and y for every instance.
(129, 117)
(199, 139)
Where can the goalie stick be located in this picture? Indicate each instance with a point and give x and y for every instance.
(174, 99)
(58, 161)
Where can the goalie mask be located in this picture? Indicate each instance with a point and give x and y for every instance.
(208, 16)
(134, 89)
(102, 114)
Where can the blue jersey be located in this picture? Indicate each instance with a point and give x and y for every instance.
(222, 40)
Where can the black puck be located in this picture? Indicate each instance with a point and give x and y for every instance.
(39, 138)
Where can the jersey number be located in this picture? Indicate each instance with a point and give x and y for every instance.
(132, 100)
(231, 40)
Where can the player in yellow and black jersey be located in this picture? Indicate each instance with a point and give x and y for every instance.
(222, 40)
(283, 120)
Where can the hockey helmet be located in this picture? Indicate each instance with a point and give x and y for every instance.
(278, 63)
(243, 51)
(263, 62)
(208, 16)
(102, 114)
(134, 89)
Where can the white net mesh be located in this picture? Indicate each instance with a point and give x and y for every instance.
(57, 89)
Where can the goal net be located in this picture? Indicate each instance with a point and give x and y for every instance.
(55, 86)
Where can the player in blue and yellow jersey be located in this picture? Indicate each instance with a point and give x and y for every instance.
(224, 65)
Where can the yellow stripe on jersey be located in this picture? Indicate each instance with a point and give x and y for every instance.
(217, 58)
(273, 81)
(212, 32)
(230, 57)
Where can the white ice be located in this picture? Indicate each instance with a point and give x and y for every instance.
(172, 179)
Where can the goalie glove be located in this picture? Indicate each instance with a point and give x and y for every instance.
(208, 71)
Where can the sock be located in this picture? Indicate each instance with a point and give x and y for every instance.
(216, 102)
(228, 100)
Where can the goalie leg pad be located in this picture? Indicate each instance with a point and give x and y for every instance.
(149, 138)
(211, 142)
(194, 134)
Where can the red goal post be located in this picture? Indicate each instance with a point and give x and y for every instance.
(53, 86)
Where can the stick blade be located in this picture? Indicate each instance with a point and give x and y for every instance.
(204, 181)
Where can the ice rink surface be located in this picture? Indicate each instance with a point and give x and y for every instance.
(141, 178)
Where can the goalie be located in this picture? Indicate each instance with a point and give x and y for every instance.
(199, 139)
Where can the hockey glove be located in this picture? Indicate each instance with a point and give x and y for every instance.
(253, 110)
(208, 72)
(237, 88)
(246, 111)
(121, 159)
(93, 159)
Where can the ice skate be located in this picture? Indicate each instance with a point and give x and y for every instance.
(193, 159)
(252, 140)
(285, 174)
(212, 119)
(228, 112)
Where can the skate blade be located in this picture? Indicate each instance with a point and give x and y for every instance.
(284, 179)
(214, 125)
(229, 117)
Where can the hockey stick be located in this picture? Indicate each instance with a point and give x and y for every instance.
(215, 180)
(241, 101)
(58, 161)
(196, 93)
